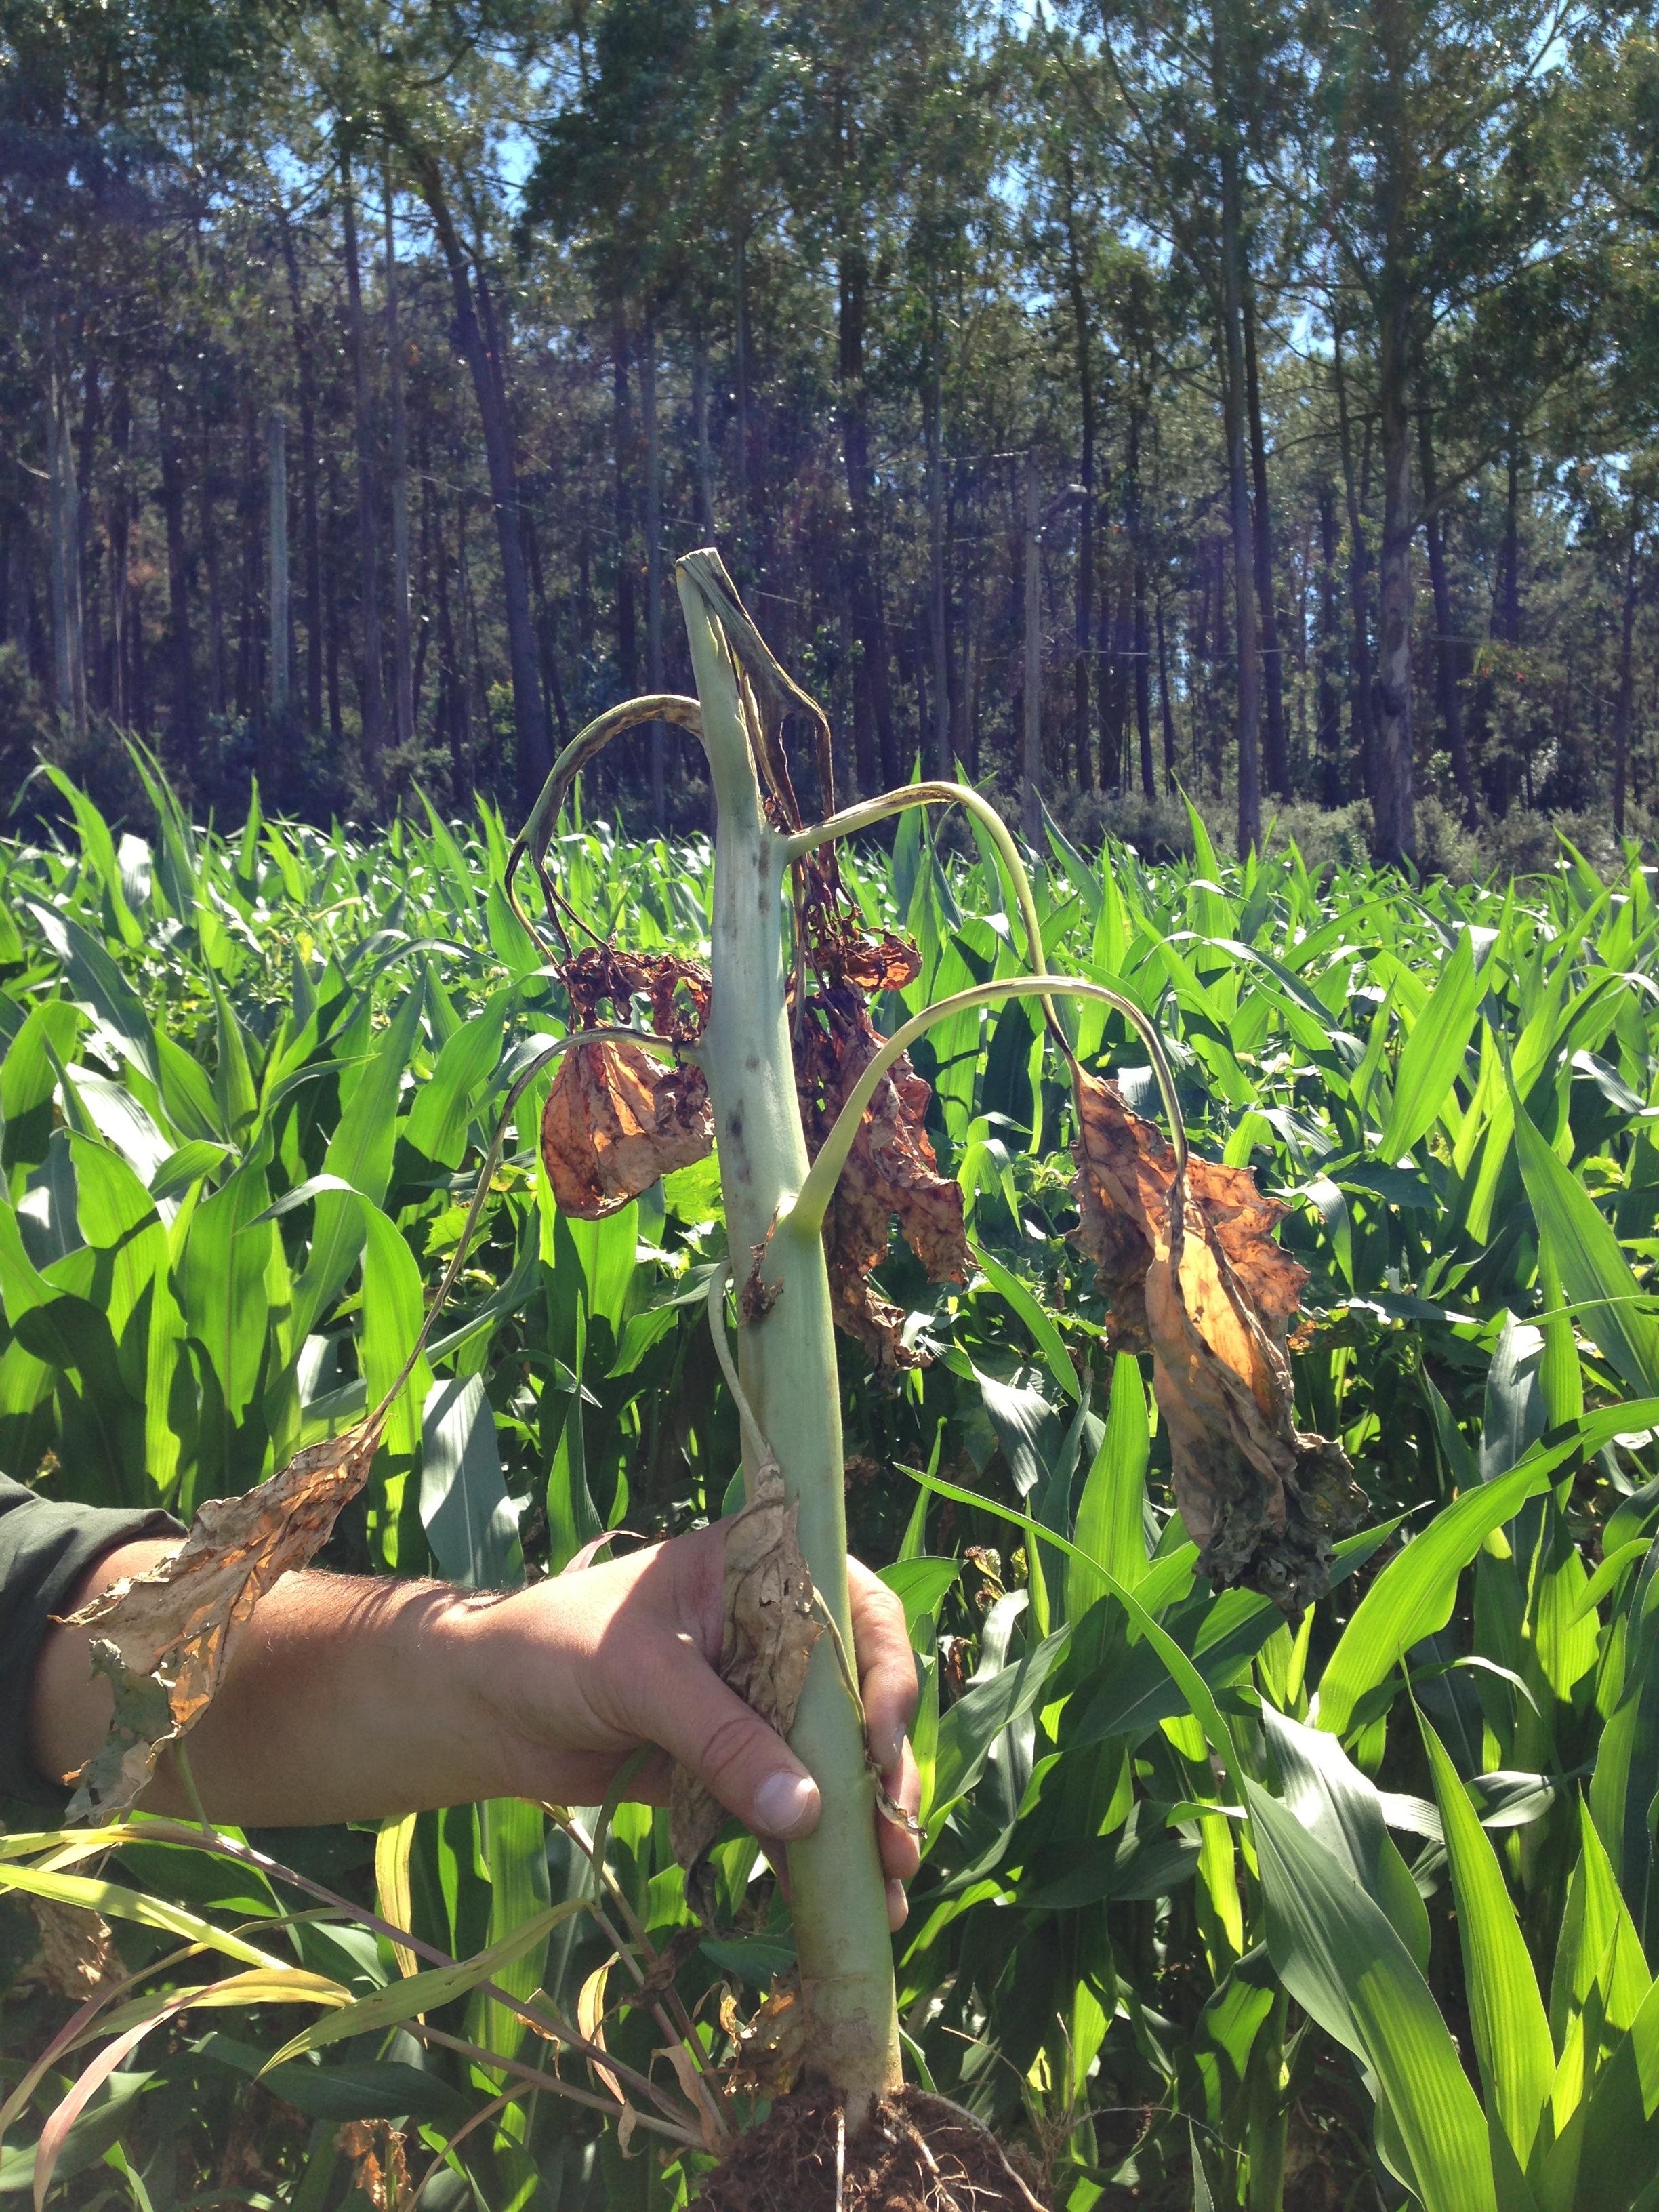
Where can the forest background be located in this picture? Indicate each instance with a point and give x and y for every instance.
(1255, 396)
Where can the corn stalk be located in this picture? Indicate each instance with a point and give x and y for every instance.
(787, 1360)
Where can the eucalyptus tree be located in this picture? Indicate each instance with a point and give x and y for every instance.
(1427, 157)
(660, 238)
(1198, 90)
(437, 89)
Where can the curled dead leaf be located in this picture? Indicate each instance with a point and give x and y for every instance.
(1210, 1294)
(771, 2048)
(890, 1170)
(676, 990)
(771, 1632)
(78, 1959)
(616, 1120)
(380, 2170)
(165, 1635)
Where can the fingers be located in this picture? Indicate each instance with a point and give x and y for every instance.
(886, 1664)
(887, 1683)
(901, 1852)
(729, 1747)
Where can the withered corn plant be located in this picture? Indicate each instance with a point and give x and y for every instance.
(818, 1120)
(772, 1056)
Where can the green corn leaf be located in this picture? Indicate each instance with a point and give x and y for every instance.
(1589, 1261)
(1412, 1597)
(513, 1836)
(116, 1902)
(1045, 1334)
(425, 1992)
(1433, 1055)
(1506, 2012)
(470, 1521)
(1626, 1780)
(1333, 1801)
(1342, 1961)
(1111, 1514)
(978, 1717)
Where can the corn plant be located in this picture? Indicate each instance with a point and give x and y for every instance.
(1211, 1904)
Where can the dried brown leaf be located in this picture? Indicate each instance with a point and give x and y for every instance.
(615, 1119)
(78, 1959)
(601, 975)
(1211, 1294)
(771, 2048)
(380, 2170)
(771, 1632)
(164, 1635)
(890, 1170)
(590, 2022)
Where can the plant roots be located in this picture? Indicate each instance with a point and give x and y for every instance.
(914, 2154)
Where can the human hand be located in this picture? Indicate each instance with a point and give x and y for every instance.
(576, 1675)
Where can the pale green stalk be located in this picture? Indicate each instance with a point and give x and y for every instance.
(786, 1359)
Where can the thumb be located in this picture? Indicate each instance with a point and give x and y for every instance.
(727, 1745)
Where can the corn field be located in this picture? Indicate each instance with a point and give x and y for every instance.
(1215, 1910)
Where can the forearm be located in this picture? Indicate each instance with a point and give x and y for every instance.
(342, 1699)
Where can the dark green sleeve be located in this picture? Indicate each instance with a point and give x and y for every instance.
(46, 1547)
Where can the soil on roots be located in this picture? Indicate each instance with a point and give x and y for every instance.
(916, 2153)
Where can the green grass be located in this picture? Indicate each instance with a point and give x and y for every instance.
(1207, 1903)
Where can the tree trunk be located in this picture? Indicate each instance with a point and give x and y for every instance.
(1621, 718)
(653, 638)
(1238, 495)
(1364, 738)
(117, 691)
(1165, 707)
(740, 364)
(1396, 825)
(403, 672)
(249, 641)
(1445, 654)
(1083, 351)
(544, 636)
(533, 755)
(371, 694)
(333, 627)
(277, 662)
(1329, 739)
(706, 522)
(1275, 756)
(311, 521)
(939, 597)
(622, 440)
(68, 628)
(853, 286)
(1032, 744)
(183, 728)
(1140, 641)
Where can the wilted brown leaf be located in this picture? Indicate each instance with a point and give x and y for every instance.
(771, 2048)
(891, 1170)
(677, 990)
(615, 1119)
(771, 1632)
(78, 1959)
(1211, 1294)
(380, 2170)
(164, 1635)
